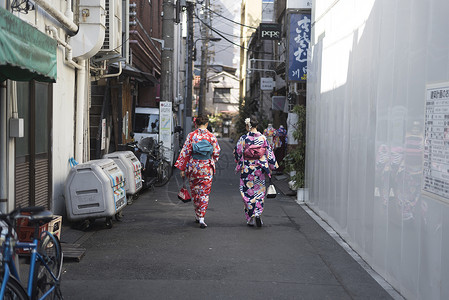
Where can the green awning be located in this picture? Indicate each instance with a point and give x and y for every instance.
(25, 52)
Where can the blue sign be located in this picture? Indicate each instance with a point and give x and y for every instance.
(299, 40)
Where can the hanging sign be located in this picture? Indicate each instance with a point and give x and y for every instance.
(270, 31)
(299, 40)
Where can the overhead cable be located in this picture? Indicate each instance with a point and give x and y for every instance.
(220, 15)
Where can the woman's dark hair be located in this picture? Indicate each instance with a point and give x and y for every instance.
(201, 120)
(254, 121)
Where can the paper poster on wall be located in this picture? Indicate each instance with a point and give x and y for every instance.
(436, 142)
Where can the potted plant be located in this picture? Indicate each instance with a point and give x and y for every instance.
(295, 160)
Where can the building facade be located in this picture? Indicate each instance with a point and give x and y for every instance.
(377, 143)
(94, 62)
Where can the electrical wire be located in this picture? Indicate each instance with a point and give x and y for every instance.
(230, 20)
(225, 38)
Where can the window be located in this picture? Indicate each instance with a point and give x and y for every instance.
(147, 123)
(222, 95)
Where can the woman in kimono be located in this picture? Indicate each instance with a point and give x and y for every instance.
(253, 168)
(197, 162)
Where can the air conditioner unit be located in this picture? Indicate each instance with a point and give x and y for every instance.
(113, 35)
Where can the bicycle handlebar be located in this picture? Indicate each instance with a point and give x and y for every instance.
(17, 213)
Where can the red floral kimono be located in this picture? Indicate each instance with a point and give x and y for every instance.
(199, 172)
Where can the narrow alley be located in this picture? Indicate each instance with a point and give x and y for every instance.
(159, 252)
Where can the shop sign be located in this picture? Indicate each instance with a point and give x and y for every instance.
(165, 113)
(270, 31)
(299, 40)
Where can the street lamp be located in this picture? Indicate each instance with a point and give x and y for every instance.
(212, 39)
(201, 102)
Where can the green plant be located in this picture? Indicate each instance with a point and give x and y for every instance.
(295, 160)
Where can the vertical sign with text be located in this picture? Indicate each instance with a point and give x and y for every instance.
(165, 113)
(299, 40)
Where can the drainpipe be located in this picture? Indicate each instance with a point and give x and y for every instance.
(68, 10)
(127, 31)
(80, 107)
(68, 49)
(65, 21)
(3, 147)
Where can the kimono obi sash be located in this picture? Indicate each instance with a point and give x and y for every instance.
(202, 150)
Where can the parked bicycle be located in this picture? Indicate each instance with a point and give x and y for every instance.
(156, 168)
(45, 258)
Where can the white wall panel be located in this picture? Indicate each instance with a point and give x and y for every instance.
(369, 67)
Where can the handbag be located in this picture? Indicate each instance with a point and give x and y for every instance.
(183, 194)
(271, 191)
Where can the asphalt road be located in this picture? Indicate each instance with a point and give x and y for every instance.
(159, 252)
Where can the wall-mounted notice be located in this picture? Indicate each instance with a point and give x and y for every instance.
(436, 142)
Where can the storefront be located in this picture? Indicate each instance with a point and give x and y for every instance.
(27, 71)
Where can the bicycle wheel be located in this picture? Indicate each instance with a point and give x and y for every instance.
(163, 173)
(49, 263)
(14, 290)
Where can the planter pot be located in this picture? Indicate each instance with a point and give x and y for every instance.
(301, 195)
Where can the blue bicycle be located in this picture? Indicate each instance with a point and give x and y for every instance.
(45, 257)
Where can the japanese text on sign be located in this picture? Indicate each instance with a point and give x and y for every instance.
(436, 145)
(299, 40)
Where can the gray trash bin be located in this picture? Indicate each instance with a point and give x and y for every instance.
(131, 168)
(95, 189)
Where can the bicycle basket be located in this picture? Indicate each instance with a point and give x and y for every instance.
(147, 144)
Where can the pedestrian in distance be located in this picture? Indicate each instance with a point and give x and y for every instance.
(197, 162)
(255, 160)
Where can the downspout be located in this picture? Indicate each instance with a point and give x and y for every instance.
(3, 147)
(80, 107)
(115, 74)
(65, 21)
(68, 49)
(68, 10)
(127, 31)
(86, 43)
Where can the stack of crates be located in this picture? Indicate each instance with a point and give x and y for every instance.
(131, 168)
(25, 232)
(95, 189)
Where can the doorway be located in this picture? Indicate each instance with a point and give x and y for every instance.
(32, 152)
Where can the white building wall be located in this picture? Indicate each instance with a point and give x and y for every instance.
(63, 130)
(63, 115)
(371, 62)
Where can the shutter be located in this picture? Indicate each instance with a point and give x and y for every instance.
(22, 180)
(41, 182)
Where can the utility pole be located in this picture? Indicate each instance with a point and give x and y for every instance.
(203, 75)
(168, 25)
(189, 70)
